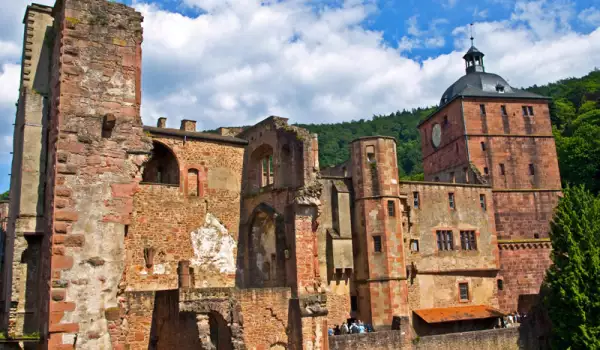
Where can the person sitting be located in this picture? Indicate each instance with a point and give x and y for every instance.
(354, 328)
(336, 330)
(330, 332)
(344, 329)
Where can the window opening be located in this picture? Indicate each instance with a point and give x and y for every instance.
(353, 303)
(482, 202)
(451, 201)
(502, 172)
(391, 208)
(414, 245)
(482, 109)
(486, 171)
(530, 110)
(503, 110)
(416, 200)
(377, 244)
(536, 235)
(467, 240)
(483, 146)
(531, 169)
(464, 291)
(446, 121)
(445, 240)
(524, 108)
(371, 154)
(500, 284)
(452, 177)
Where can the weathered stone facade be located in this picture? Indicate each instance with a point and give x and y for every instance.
(124, 236)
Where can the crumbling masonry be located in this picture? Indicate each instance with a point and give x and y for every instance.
(124, 236)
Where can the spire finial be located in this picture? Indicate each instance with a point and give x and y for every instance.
(472, 38)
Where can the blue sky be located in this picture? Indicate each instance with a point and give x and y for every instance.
(235, 62)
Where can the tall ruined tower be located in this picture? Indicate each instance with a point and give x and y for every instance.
(486, 131)
(379, 247)
(79, 146)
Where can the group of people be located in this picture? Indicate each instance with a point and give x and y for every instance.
(351, 326)
(510, 320)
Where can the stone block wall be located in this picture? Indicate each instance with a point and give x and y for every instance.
(95, 162)
(382, 340)
(524, 214)
(177, 224)
(265, 317)
(4, 205)
(524, 264)
(505, 338)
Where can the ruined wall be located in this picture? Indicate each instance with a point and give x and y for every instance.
(382, 340)
(98, 148)
(265, 317)
(27, 178)
(4, 205)
(524, 264)
(506, 338)
(178, 224)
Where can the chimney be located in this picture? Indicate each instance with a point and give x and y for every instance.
(162, 122)
(188, 125)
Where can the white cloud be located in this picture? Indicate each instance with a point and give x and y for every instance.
(590, 16)
(9, 85)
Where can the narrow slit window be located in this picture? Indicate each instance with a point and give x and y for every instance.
(451, 202)
(483, 146)
(464, 291)
(391, 208)
(482, 202)
(486, 171)
(377, 244)
(502, 170)
(524, 108)
(446, 123)
(416, 200)
(503, 110)
(500, 284)
(530, 110)
(531, 169)
(482, 109)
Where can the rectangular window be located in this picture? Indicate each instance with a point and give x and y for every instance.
(414, 245)
(486, 170)
(451, 201)
(482, 202)
(353, 303)
(531, 169)
(500, 284)
(503, 110)
(482, 109)
(445, 240)
(483, 146)
(446, 121)
(467, 240)
(416, 200)
(377, 243)
(391, 208)
(530, 110)
(371, 154)
(502, 172)
(464, 291)
(524, 108)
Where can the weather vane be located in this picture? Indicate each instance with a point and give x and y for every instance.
(472, 38)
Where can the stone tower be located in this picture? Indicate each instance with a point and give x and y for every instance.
(379, 247)
(486, 131)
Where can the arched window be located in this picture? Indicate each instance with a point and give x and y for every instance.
(162, 168)
(261, 168)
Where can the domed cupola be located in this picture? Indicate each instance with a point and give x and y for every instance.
(474, 60)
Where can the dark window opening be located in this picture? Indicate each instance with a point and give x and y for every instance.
(524, 108)
(536, 235)
(531, 169)
(499, 88)
(482, 202)
(464, 291)
(451, 201)
(377, 244)
(371, 154)
(445, 240)
(482, 109)
(416, 200)
(503, 110)
(414, 245)
(391, 208)
(502, 170)
(486, 171)
(468, 240)
(530, 110)
(500, 284)
(446, 123)
(437, 179)
(162, 168)
(483, 146)
(353, 303)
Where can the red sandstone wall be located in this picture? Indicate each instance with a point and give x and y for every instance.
(522, 215)
(523, 267)
(265, 317)
(165, 216)
(94, 168)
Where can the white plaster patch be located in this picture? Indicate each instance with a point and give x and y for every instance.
(213, 246)
(159, 269)
(68, 338)
(394, 181)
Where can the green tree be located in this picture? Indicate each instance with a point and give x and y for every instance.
(572, 283)
(4, 196)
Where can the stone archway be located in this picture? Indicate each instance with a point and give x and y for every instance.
(215, 333)
(266, 249)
